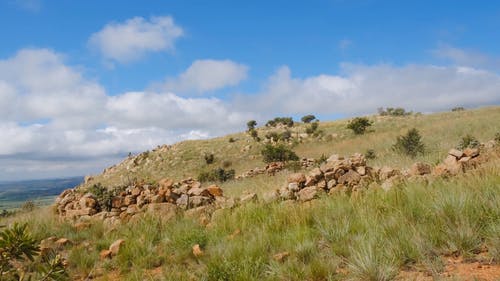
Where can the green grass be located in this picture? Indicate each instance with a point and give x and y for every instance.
(370, 237)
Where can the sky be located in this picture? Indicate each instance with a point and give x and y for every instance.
(83, 83)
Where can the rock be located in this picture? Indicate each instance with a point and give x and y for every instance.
(452, 165)
(215, 190)
(166, 183)
(117, 202)
(308, 193)
(387, 172)
(196, 201)
(331, 184)
(88, 201)
(357, 160)
(464, 159)
(80, 212)
(115, 247)
(418, 169)
(330, 176)
(61, 242)
(105, 254)
(316, 174)
(471, 152)
(157, 199)
(165, 210)
(286, 194)
(129, 200)
(197, 191)
(281, 257)
(361, 170)
(197, 252)
(456, 153)
(298, 178)
(440, 170)
(321, 184)
(183, 201)
(132, 209)
(81, 226)
(334, 157)
(271, 196)
(293, 186)
(350, 178)
(136, 191)
(248, 198)
(310, 181)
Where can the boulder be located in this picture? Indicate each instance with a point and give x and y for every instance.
(299, 178)
(129, 200)
(418, 169)
(183, 201)
(215, 190)
(357, 160)
(316, 174)
(456, 153)
(452, 165)
(331, 184)
(387, 172)
(197, 201)
(361, 170)
(471, 152)
(198, 191)
(117, 202)
(286, 194)
(308, 193)
(88, 201)
(350, 178)
(293, 186)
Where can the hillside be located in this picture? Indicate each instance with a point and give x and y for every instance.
(440, 131)
(424, 226)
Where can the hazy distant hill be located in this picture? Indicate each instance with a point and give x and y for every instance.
(12, 194)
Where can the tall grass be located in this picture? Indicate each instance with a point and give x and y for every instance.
(370, 237)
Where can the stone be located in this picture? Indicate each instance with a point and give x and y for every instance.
(61, 242)
(308, 193)
(117, 202)
(452, 165)
(166, 183)
(316, 174)
(322, 184)
(357, 160)
(456, 153)
(330, 176)
(286, 194)
(299, 178)
(105, 254)
(80, 212)
(129, 200)
(310, 181)
(183, 201)
(471, 152)
(136, 191)
(88, 201)
(418, 169)
(215, 190)
(361, 170)
(271, 196)
(197, 191)
(196, 201)
(440, 170)
(387, 172)
(281, 257)
(132, 209)
(81, 226)
(350, 178)
(157, 198)
(197, 252)
(248, 198)
(164, 210)
(115, 247)
(464, 159)
(141, 200)
(293, 186)
(331, 184)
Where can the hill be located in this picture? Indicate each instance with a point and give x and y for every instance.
(425, 227)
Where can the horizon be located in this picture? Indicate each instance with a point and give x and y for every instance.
(82, 84)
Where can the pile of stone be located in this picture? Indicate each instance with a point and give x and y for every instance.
(274, 167)
(166, 198)
(458, 161)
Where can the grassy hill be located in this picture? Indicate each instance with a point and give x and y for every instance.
(419, 231)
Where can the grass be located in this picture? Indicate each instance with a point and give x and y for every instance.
(370, 237)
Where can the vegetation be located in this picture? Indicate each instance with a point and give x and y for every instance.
(359, 125)
(308, 118)
(103, 196)
(278, 153)
(209, 158)
(254, 134)
(410, 144)
(18, 252)
(458, 108)
(216, 175)
(370, 154)
(251, 125)
(468, 141)
(497, 137)
(398, 111)
(286, 121)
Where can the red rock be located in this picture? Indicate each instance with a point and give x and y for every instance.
(215, 190)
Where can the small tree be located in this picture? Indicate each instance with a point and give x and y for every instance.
(410, 144)
(308, 118)
(468, 141)
(251, 124)
(359, 125)
(209, 158)
(278, 153)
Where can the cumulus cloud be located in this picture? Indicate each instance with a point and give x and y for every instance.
(361, 89)
(131, 40)
(208, 75)
(463, 57)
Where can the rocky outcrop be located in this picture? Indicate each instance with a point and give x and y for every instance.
(166, 199)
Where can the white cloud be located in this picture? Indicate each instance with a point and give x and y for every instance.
(208, 75)
(362, 89)
(464, 57)
(132, 39)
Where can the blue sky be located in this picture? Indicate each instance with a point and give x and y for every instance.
(85, 82)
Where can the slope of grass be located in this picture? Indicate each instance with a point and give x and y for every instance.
(370, 237)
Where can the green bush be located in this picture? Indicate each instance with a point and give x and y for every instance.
(272, 136)
(209, 158)
(218, 174)
(410, 144)
(458, 108)
(278, 153)
(398, 111)
(468, 141)
(359, 125)
(308, 118)
(285, 136)
(251, 124)
(370, 154)
(287, 121)
(18, 257)
(103, 196)
(232, 140)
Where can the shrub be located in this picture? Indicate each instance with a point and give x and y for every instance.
(28, 206)
(18, 252)
(278, 153)
(359, 125)
(458, 108)
(209, 158)
(231, 139)
(370, 154)
(287, 121)
(253, 133)
(293, 166)
(285, 136)
(398, 111)
(468, 141)
(272, 136)
(103, 196)
(251, 124)
(308, 118)
(322, 159)
(497, 138)
(218, 174)
(410, 144)
(226, 164)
